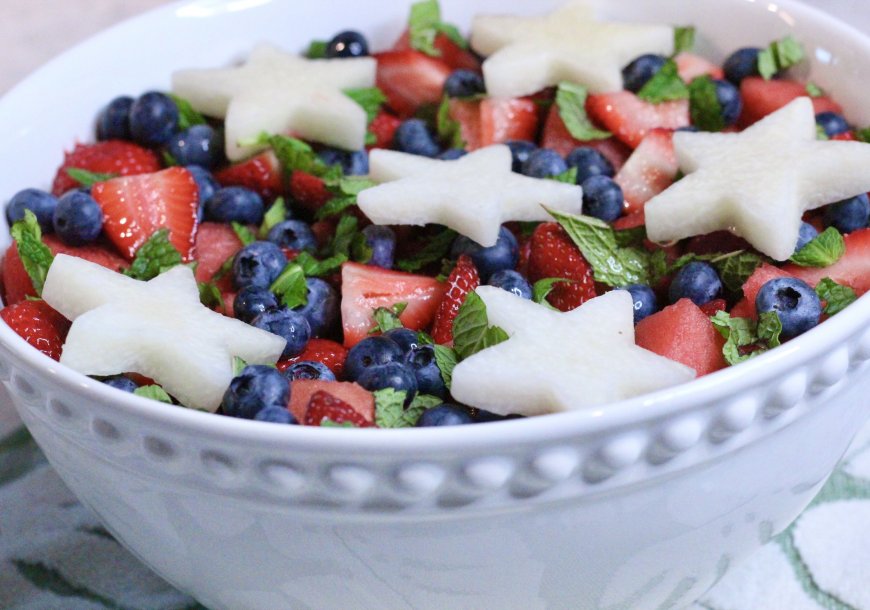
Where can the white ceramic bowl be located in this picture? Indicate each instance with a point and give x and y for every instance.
(641, 504)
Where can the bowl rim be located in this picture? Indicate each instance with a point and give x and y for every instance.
(670, 401)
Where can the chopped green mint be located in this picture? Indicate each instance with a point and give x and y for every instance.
(704, 107)
(435, 249)
(835, 296)
(187, 115)
(154, 392)
(684, 39)
(86, 178)
(778, 56)
(471, 329)
(425, 23)
(317, 49)
(154, 257)
(290, 286)
(34, 254)
(823, 250)
(446, 358)
(387, 318)
(276, 213)
(665, 85)
(245, 235)
(571, 101)
(449, 130)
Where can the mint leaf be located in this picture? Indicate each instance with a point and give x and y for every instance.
(735, 268)
(821, 134)
(276, 213)
(769, 328)
(835, 296)
(168, 159)
(360, 250)
(569, 176)
(571, 101)
(863, 135)
(778, 56)
(318, 268)
(387, 318)
(704, 107)
(471, 329)
(449, 130)
(245, 235)
(425, 23)
(334, 206)
(317, 49)
(86, 178)
(328, 423)
(34, 254)
(446, 358)
(823, 250)
(154, 392)
(684, 39)
(290, 286)
(658, 267)
(344, 233)
(187, 115)
(345, 190)
(435, 249)
(665, 85)
(294, 154)
(611, 264)
(813, 90)
(630, 237)
(210, 295)
(390, 411)
(738, 333)
(542, 288)
(369, 98)
(238, 366)
(154, 257)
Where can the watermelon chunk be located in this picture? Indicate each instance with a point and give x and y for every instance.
(853, 268)
(556, 136)
(650, 169)
(690, 66)
(630, 118)
(762, 97)
(362, 401)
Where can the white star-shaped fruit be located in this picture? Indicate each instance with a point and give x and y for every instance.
(473, 195)
(157, 328)
(527, 54)
(558, 361)
(276, 92)
(758, 183)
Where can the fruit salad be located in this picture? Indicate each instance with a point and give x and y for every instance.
(555, 212)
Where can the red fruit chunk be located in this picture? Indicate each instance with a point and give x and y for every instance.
(711, 308)
(308, 191)
(136, 206)
(261, 173)
(383, 127)
(463, 279)
(630, 221)
(690, 66)
(853, 268)
(468, 115)
(650, 169)
(366, 288)
(410, 79)
(762, 97)
(629, 118)
(16, 283)
(553, 254)
(323, 406)
(361, 401)
(846, 136)
(717, 242)
(742, 309)
(507, 119)
(215, 243)
(451, 54)
(95, 252)
(38, 324)
(109, 157)
(557, 137)
(753, 284)
(684, 333)
(328, 353)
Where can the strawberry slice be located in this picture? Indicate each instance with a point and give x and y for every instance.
(553, 254)
(846, 136)
(507, 119)
(384, 127)
(650, 169)
(38, 324)
(308, 191)
(261, 173)
(410, 79)
(557, 137)
(853, 268)
(690, 66)
(468, 114)
(762, 97)
(215, 243)
(324, 351)
(109, 157)
(366, 288)
(629, 118)
(451, 54)
(359, 401)
(463, 279)
(135, 207)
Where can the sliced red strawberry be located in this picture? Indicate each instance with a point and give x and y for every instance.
(109, 157)
(365, 288)
(690, 66)
(451, 54)
(650, 169)
(467, 114)
(508, 119)
(215, 243)
(553, 254)
(328, 353)
(846, 136)
(463, 279)
(711, 308)
(308, 191)
(684, 333)
(324, 406)
(753, 284)
(261, 173)
(629, 118)
(762, 97)
(853, 268)
(136, 206)
(16, 283)
(383, 127)
(360, 400)
(96, 252)
(38, 324)
(410, 79)
(557, 137)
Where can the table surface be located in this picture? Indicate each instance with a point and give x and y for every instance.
(54, 553)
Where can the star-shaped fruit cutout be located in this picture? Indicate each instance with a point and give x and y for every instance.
(157, 328)
(556, 361)
(758, 183)
(473, 195)
(277, 92)
(527, 54)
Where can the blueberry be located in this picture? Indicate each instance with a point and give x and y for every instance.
(352, 162)
(421, 360)
(121, 382)
(309, 369)
(199, 145)
(740, 64)
(602, 198)
(41, 203)
(589, 162)
(503, 255)
(520, 151)
(390, 375)
(729, 101)
(113, 123)
(153, 119)
(636, 74)
(276, 415)
(286, 323)
(806, 235)
(205, 182)
(544, 163)
(689, 128)
(78, 218)
(452, 154)
(405, 337)
(293, 234)
(512, 281)
(697, 282)
(413, 136)
(251, 301)
(832, 122)
(256, 388)
(481, 416)
(258, 264)
(348, 43)
(796, 303)
(848, 215)
(321, 309)
(370, 352)
(464, 83)
(382, 241)
(643, 299)
(444, 415)
(235, 203)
